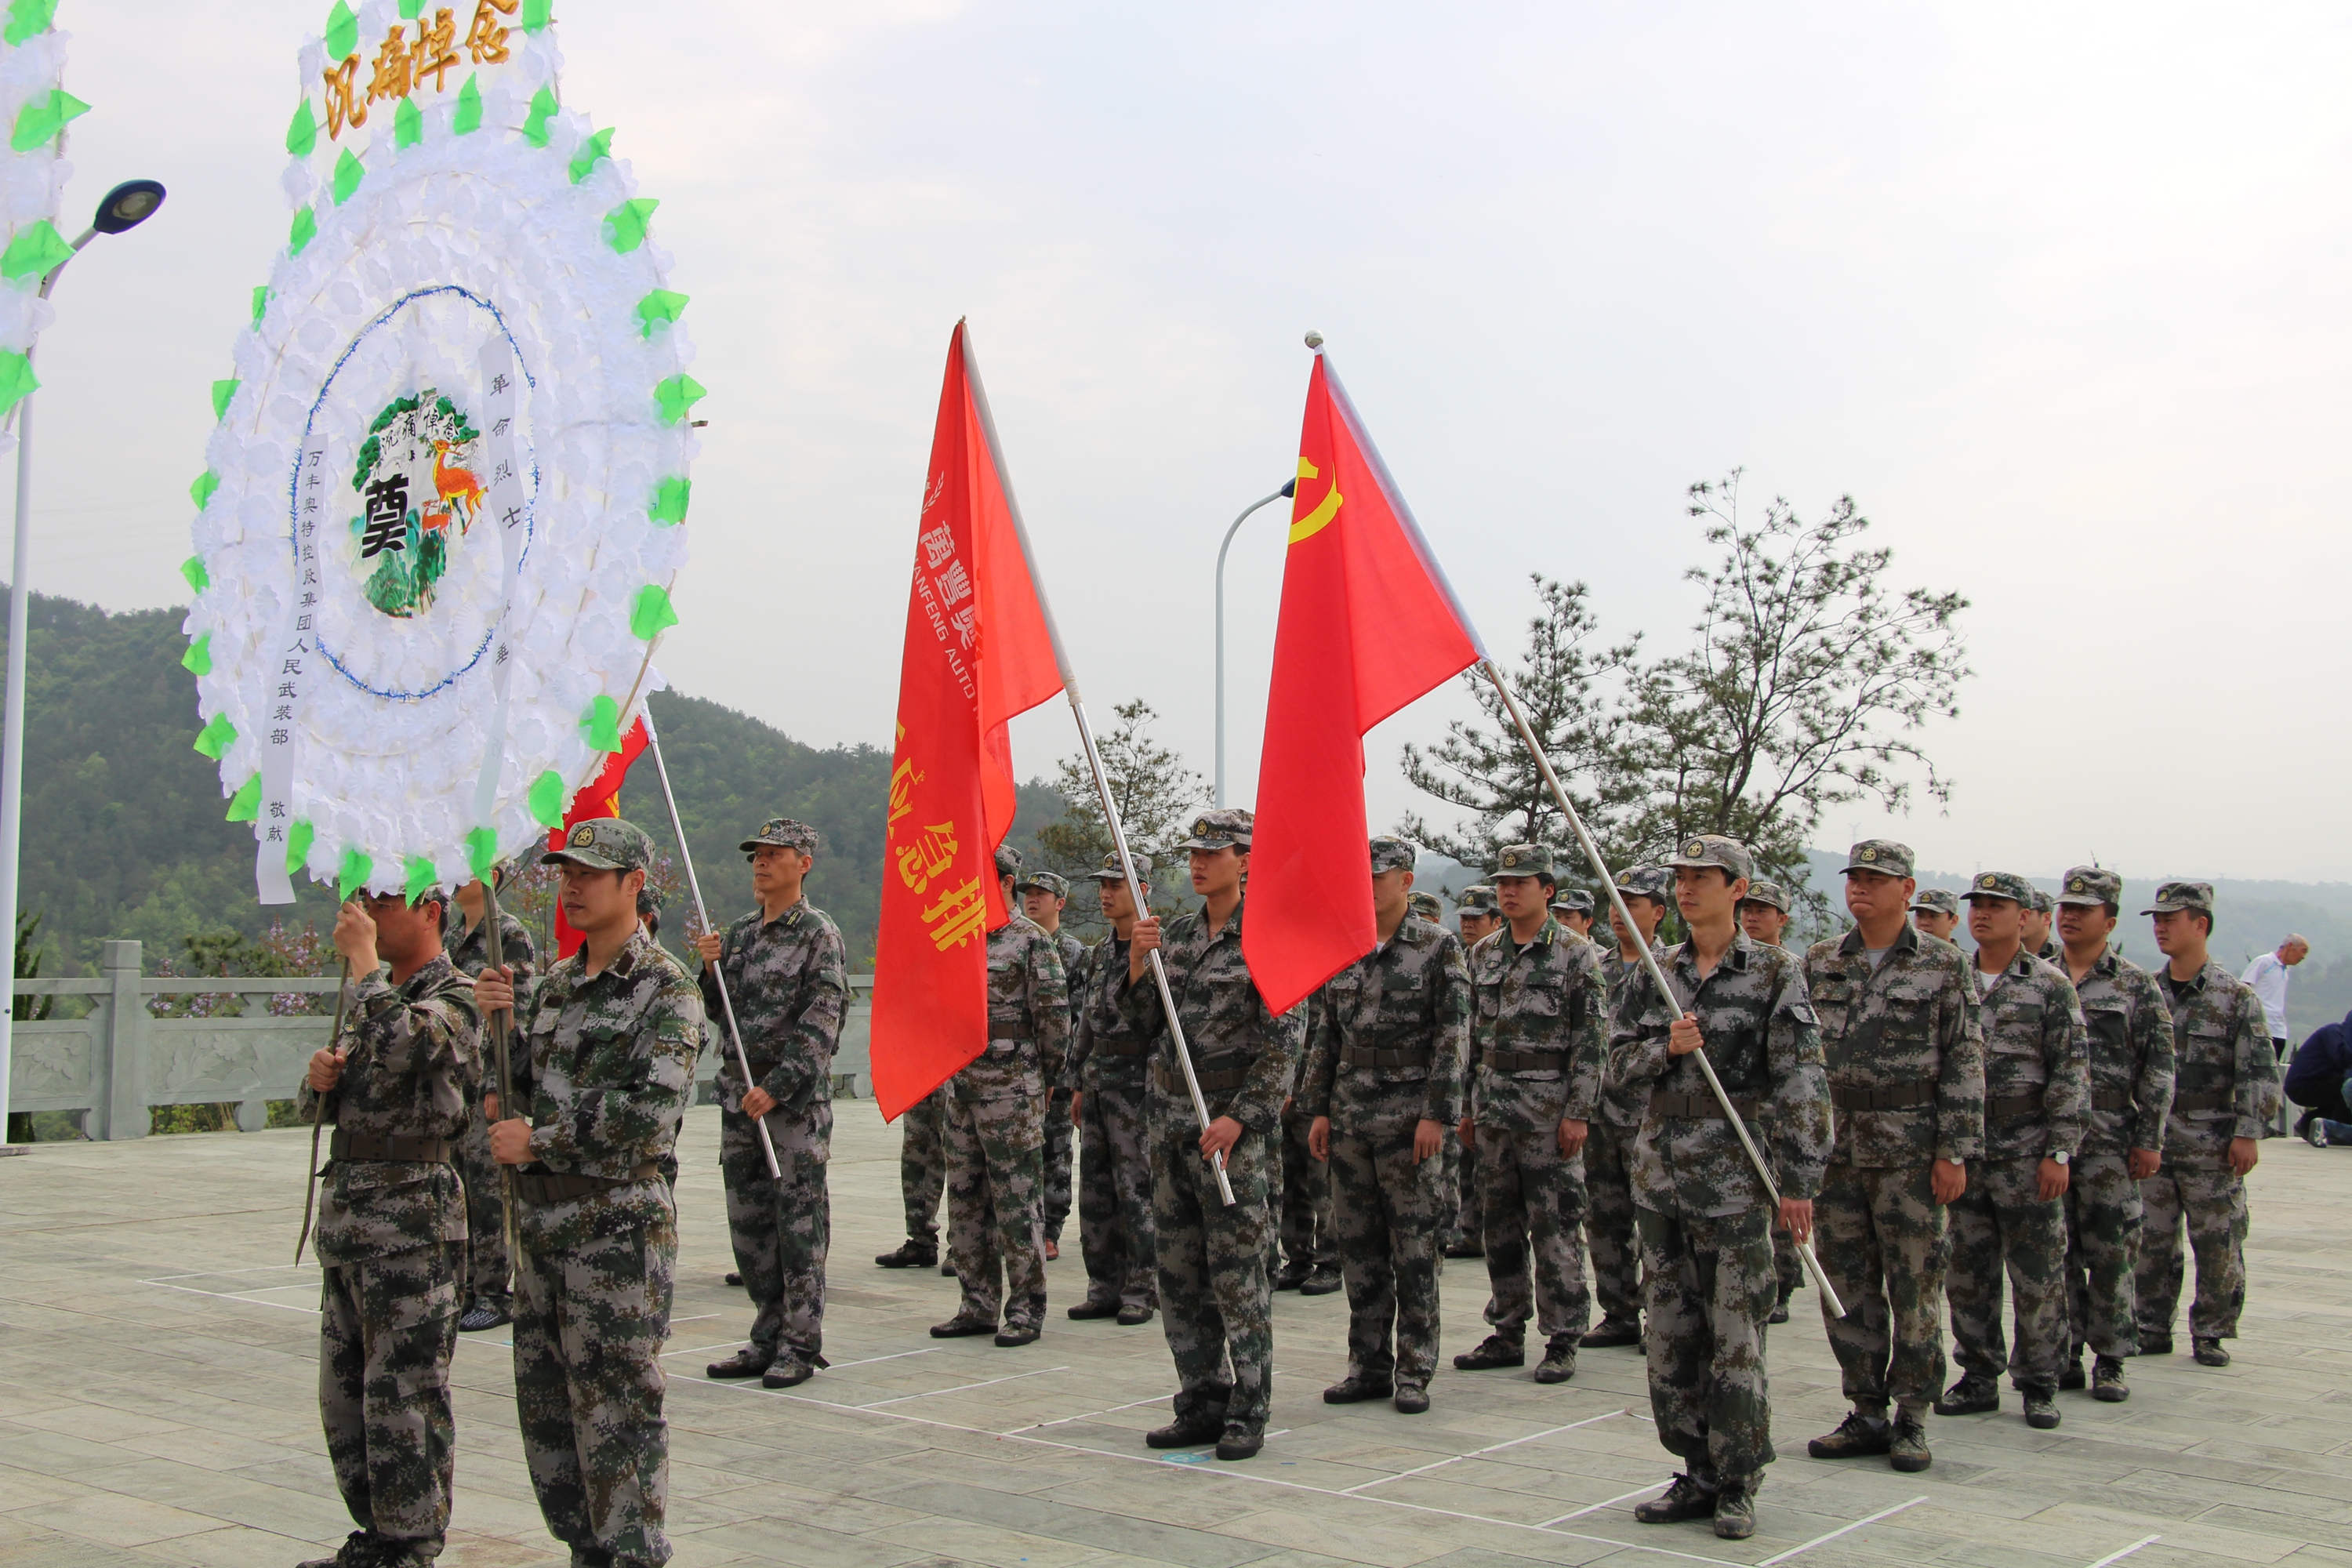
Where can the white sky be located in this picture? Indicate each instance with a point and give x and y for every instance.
(2057, 293)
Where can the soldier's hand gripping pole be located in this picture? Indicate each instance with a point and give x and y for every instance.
(702, 912)
(502, 1050)
(1831, 1307)
(317, 1115)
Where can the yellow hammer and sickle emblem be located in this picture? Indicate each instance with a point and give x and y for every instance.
(1315, 521)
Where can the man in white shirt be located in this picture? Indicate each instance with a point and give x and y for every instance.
(2268, 975)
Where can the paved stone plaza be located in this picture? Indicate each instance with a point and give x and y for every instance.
(157, 1372)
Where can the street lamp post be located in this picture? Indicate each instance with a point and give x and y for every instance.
(123, 208)
(1289, 488)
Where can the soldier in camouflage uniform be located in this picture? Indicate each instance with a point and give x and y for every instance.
(2012, 1217)
(1574, 906)
(996, 1135)
(1538, 1045)
(392, 1218)
(1216, 1301)
(787, 976)
(2123, 1142)
(1301, 1185)
(1705, 1218)
(1104, 1080)
(614, 1031)
(922, 1180)
(1425, 906)
(1609, 1226)
(2225, 1092)
(487, 1291)
(1764, 916)
(1478, 915)
(1936, 911)
(1386, 1060)
(1044, 895)
(1898, 1015)
(2037, 939)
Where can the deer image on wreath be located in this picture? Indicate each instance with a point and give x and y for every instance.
(414, 480)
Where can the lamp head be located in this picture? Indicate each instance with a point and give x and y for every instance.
(128, 205)
(1289, 490)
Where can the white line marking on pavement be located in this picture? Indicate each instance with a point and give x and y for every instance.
(894, 1355)
(210, 1273)
(1841, 1530)
(1064, 1421)
(702, 1350)
(1597, 1507)
(228, 1295)
(1475, 1453)
(2119, 1556)
(959, 1388)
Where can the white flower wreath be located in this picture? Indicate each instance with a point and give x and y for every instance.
(34, 109)
(448, 212)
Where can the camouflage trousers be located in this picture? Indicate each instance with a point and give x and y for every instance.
(1609, 1226)
(387, 1328)
(1216, 1301)
(1387, 1212)
(1533, 1200)
(781, 1227)
(2211, 1202)
(2000, 1226)
(489, 1273)
(1788, 1269)
(2102, 1215)
(1880, 1237)
(1461, 1178)
(1060, 1143)
(1709, 1284)
(996, 1223)
(923, 1164)
(588, 1331)
(1303, 1209)
(1115, 1223)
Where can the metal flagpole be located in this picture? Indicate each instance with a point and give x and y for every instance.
(502, 1037)
(317, 1115)
(718, 975)
(1831, 1307)
(1094, 759)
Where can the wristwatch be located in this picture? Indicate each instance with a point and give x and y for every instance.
(2063, 1157)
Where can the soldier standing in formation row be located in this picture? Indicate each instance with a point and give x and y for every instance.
(613, 1032)
(1609, 1228)
(2012, 1218)
(1573, 909)
(786, 973)
(1480, 916)
(2131, 1090)
(1043, 896)
(1385, 1060)
(1706, 1221)
(488, 1291)
(392, 1220)
(1764, 916)
(1104, 1081)
(1538, 1049)
(1937, 912)
(922, 1181)
(1216, 1300)
(2036, 917)
(1898, 1019)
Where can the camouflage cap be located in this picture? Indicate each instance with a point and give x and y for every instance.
(1524, 860)
(1714, 849)
(1574, 901)
(2000, 885)
(1008, 861)
(1769, 894)
(1937, 901)
(1883, 856)
(1425, 905)
(604, 843)
(1478, 898)
(1391, 853)
(1110, 872)
(1043, 883)
(2090, 885)
(1220, 827)
(2173, 896)
(783, 831)
(2042, 903)
(1647, 882)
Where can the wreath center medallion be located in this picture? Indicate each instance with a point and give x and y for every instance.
(420, 488)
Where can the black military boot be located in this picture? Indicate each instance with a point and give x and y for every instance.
(1779, 1314)
(2211, 1353)
(1560, 1360)
(1358, 1389)
(484, 1314)
(1293, 1276)
(1493, 1352)
(2072, 1378)
(1735, 1510)
(749, 1362)
(1322, 1282)
(1090, 1308)
(2040, 1408)
(1196, 1430)
(1907, 1451)
(1972, 1395)
(1690, 1496)
(1610, 1332)
(2107, 1384)
(1239, 1442)
(1857, 1436)
(910, 1255)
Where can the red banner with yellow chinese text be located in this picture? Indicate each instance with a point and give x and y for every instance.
(978, 651)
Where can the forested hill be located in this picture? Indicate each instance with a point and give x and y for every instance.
(124, 835)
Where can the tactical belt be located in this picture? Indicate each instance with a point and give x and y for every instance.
(373, 1146)
(1695, 1107)
(2212, 1099)
(1368, 1057)
(1901, 1096)
(1119, 1047)
(555, 1189)
(1526, 1061)
(1226, 1079)
(1014, 1031)
(2014, 1104)
(2111, 1099)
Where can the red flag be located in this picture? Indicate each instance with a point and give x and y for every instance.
(600, 797)
(1368, 624)
(978, 651)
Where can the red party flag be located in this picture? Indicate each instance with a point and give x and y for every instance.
(978, 651)
(1369, 623)
(600, 797)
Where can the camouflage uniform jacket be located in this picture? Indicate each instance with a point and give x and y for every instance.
(2131, 1056)
(1910, 1022)
(470, 951)
(2037, 1050)
(1248, 1054)
(1028, 1012)
(414, 1060)
(1075, 955)
(612, 1055)
(1411, 996)
(1546, 998)
(1765, 1046)
(1105, 1047)
(788, 979)
(1623, 1104)
(2224, 1067)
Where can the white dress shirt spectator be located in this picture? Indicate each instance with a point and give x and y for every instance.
(2268, 975)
